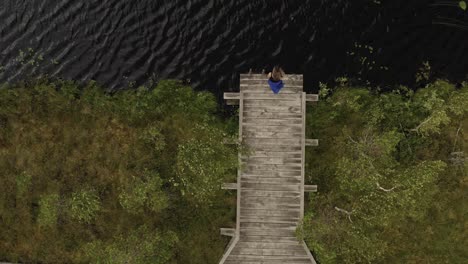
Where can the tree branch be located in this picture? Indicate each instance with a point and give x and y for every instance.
(348, 214)
(383, 189)
(456, 137)
(416, 129)
(352, 140)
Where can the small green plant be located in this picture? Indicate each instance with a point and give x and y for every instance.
(84, 205)
(48, 210)
(144, 193)
(462, 5)
(324, 91)
(23, 183)
(342, 80)
(29, 57)
(424, 73)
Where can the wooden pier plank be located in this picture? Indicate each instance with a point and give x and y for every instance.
(287, 82)
(270, 115)
(273, 109)
(265, 89)
(270, 189)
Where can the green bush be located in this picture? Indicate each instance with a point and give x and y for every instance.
(390, 170)
(82, 169)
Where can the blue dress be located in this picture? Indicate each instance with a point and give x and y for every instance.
(275, 86)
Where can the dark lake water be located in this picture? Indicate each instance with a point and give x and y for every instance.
(122, 43)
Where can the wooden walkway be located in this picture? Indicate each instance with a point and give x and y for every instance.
(270, 184)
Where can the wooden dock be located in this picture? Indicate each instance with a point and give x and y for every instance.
(270, 184)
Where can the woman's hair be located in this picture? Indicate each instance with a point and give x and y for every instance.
(277, 73)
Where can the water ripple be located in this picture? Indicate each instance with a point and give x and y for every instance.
(119, 42)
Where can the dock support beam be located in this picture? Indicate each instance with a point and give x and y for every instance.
(312, 97)
(229, 186)
(228, 231)
(232, 98)
(310, 188)
(312, 142)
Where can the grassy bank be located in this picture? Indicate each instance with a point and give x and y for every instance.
(392, 175)
(128, 178)
(135, 177)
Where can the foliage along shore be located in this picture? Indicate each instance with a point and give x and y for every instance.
(134, 177)
(392, 175)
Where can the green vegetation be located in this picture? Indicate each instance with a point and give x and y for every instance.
(391, 174)
(135, 177)
(462, 5)
(129, 178)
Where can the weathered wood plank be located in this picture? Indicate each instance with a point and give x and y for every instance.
(257, 147)
(273, 159)
(264, 245)
(255, 165)
(271, 122)
(278, 200)
(231, 96)
(228, 231)
(274, 108)
(268, 170)
(252, 114)
(268, 141)
(312, 97)
(270, 206)
(283, 261)
(260, 128)
(287, 82)
(261, 216)
(265, 89)
(270, 187)
(272, 173)
(310, 188)
(269, 219)
(269, 261)
(266, 232)
(253, 192)
(268, 239)
(276, 180)
(312, 142)
(271, 151)
(282, 163)
(271, 102)
(284, 212)
(248, 76)
(270, 96)
(269, 258)
(270, 160)
(229, 186)
(270, 134)
(297, 251)
(269, 252)
(303, 105)
(273, 154)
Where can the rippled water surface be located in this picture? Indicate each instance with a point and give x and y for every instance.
(123, 43)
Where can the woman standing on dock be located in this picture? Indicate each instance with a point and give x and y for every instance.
(274, 79)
